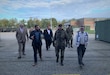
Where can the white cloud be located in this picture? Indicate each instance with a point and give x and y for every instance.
(32, 3)
(16, 4)
(81, 9)
(59, 8)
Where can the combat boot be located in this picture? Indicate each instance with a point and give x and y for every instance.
(62, 63)
(57, 59)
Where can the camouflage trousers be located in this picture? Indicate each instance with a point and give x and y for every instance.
(61, 52)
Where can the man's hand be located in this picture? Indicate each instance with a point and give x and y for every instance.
(32, 37)
(86, 44)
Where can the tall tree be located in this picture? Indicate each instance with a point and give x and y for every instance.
(63, 21)
(23, 21)
(13, 22)
(30, 23)
(4, 22)
(36, 21)
(54, 22)
(73, 19)
(59, 22)
(45, 22)
(1, 23)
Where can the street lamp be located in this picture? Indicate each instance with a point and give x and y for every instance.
(51, 22)
(50, 16)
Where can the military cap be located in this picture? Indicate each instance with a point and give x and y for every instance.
(60, 25)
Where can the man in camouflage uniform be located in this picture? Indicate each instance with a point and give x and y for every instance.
(69, 31)
(59, 41)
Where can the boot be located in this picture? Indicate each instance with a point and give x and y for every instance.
(62, 60)
(62, 63)
(57, 59)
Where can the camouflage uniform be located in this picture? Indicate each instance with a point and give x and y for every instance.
(69, 31)
(59, 43)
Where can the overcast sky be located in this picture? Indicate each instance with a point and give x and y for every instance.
(60, 9)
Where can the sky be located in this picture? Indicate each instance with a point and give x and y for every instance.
(59, 9)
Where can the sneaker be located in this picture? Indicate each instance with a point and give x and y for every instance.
(34, 64)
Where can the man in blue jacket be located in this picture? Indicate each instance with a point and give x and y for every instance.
(48, 35)
(35, 36)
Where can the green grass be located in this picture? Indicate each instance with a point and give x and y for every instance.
(90, 31)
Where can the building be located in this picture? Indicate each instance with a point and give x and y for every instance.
(89, 22)
(73, 22)
(66, 24)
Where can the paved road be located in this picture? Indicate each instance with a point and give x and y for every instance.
(97, 59)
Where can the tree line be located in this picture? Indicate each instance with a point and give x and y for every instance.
(13, 23)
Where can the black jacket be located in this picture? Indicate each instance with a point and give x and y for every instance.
(48, 36)
(37, 38)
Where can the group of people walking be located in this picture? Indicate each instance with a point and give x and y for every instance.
(61, 39)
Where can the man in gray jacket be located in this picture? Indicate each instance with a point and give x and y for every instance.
(21, 34)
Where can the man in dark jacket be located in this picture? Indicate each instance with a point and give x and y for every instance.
(35, 35)
(48, 35)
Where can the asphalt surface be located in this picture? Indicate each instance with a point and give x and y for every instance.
(96, 59)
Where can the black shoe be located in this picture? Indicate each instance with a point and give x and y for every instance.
(19, 57)
(24, 54)
(48, 46)
(82, 64)
(62, 64)
(57, 60)
(68, 46)
(40, 59)
(47, 49)
(71, 46)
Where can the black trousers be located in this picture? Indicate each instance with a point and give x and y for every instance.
(23, 48)
(39, 50)
(48, 43)
(81, 51)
